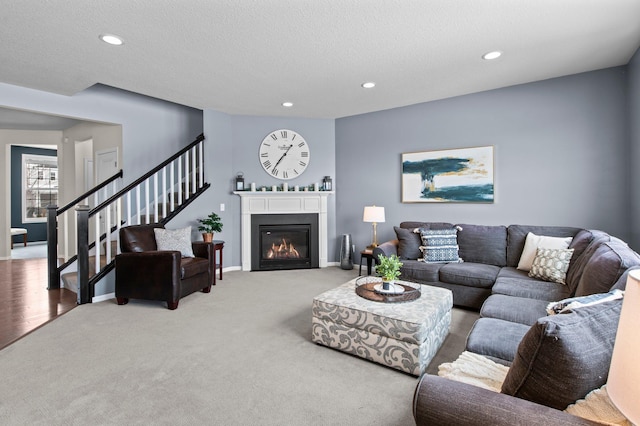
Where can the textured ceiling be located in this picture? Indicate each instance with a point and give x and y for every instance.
(247, 57)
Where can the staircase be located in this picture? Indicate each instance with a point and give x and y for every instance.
(82, 247)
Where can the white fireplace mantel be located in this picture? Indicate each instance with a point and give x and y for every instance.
(280, 202)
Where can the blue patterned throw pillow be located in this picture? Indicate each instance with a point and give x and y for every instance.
(439, 245)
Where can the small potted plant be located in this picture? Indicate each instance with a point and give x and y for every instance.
(389, 269)
(209, 225)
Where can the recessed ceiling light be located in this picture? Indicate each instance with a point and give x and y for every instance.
(287, 104)
(369, 85)
(111, 39)
(492, 55)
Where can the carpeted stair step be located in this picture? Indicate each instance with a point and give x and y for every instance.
(70, 279)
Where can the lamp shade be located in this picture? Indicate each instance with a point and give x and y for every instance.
(623, 385)
(373, 214)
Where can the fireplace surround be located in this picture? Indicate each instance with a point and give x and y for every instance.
(279, 202)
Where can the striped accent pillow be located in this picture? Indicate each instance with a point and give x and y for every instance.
(439, 245)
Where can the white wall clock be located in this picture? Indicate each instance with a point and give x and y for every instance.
(284, 154)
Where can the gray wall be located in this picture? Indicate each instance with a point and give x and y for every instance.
(634, 130)
(561, 150)
(152, 130)
(236, 140)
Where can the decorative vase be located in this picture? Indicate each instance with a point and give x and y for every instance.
(207, 237)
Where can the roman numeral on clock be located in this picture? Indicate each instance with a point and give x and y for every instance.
(267, 164)
(275, 172)
(302, 163)
(264, 154)
(274, 137)
(304, 154)
(285, 174)
(301, 144)
(283, 134)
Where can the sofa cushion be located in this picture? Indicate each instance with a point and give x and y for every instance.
(413, 270)
(533, 242)
(469, 274)
(606, 265)
(514, 309)
(621, 284)
(496, 338)
(517, 235)
(513, 282)
(192, 266)
(564, 357)
(426, 225)
(551, 264)
(584, 244)
(138, 238)
(408, 243)
(483, 244)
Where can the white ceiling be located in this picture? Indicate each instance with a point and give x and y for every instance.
(247, 57)
(27, 120)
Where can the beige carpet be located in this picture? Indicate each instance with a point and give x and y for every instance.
(241, 355)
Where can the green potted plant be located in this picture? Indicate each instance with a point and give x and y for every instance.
(209, 225)
(389, 269)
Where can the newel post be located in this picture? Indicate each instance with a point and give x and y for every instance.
(52, 247)
(84, 293)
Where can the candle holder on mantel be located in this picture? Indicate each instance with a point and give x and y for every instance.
(240, 181)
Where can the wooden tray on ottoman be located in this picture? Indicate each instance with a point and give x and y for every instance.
(365, 287)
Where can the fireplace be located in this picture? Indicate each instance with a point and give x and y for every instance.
(273, 204)
(284, 241)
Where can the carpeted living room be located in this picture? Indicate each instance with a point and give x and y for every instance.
(240, 355)
(430, 211)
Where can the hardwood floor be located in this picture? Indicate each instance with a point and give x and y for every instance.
(26, 304)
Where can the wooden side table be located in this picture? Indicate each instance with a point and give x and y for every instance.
(218, 245)
(366, 254)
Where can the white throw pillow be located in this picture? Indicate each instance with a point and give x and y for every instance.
(174, 240)
(534, 241)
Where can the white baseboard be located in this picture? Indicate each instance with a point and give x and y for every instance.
(103, 297)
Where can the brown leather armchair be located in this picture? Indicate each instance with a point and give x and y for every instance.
(143, 272)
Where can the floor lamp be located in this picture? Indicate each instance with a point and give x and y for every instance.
(623, 385)
(374, 215)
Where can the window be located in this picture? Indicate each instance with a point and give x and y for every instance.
(39, 186)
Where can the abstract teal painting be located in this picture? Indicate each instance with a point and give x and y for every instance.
(453, 175)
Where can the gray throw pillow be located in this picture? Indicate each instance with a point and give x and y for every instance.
(174, 240)
(408, 243)
(564, 357)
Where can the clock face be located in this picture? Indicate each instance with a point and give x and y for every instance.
(284, 154)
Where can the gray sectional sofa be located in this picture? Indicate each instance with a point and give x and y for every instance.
(554, 360)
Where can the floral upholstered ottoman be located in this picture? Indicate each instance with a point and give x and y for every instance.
(405, 336)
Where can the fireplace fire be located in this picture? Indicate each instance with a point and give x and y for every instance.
(284, 250)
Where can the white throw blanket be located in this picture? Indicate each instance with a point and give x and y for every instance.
(475, 370)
